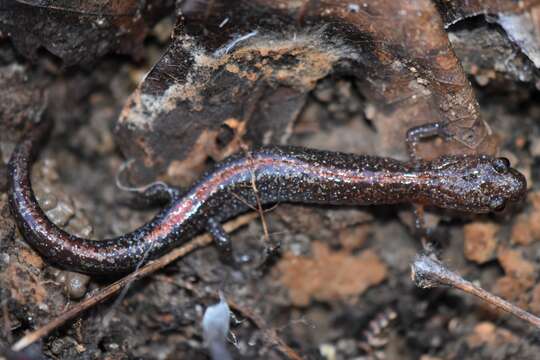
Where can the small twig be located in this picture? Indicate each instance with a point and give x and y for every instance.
(7, 323)
(259, 203)
(244, 201)
(108, 291)
(110, 313)
(428, 272)
(270, 333)
(251, 108)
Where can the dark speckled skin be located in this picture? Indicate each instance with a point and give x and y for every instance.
(283, 174)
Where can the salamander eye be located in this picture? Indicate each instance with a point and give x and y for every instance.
(501, 165)
(497, 204)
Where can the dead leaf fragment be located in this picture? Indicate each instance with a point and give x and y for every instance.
(25, 287)
(486, 333)
(521, 232)
(31, 258)
(519, 278)
(511, 289)
(526, 228)
(354, 237)
(79, 32)
(515, 265)
(534, 305)
(329, 275)
(480, 241)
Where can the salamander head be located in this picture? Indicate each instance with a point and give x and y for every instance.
(475, 184)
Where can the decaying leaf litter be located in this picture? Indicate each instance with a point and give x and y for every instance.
(324, 74)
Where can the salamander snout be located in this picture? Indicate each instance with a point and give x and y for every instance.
(499, 183)
(478, 183)
(508, 184)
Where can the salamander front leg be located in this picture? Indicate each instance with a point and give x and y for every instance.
(419, 133)
(414, 136)
(223, 242)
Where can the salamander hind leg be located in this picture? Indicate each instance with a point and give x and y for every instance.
(223, 242)
(160, 192)
(154, 194)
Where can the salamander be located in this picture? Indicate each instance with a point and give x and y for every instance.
(469, 183)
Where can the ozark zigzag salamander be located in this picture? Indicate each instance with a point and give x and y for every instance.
(474, 184)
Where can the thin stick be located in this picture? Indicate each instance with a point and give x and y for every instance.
(108, 291)
(428, 272)
(270, 334)
(7, 323)
(252, 106)
(259, 204)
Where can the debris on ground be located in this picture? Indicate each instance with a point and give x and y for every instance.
(169, 88)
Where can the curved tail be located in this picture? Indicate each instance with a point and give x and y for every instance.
(57, 246)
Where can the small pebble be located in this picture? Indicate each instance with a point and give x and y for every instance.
(57, 346)
(61, 214)
(328, 351)
(76, 284)
(47, 201)
(48, 169)
(79, 226)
